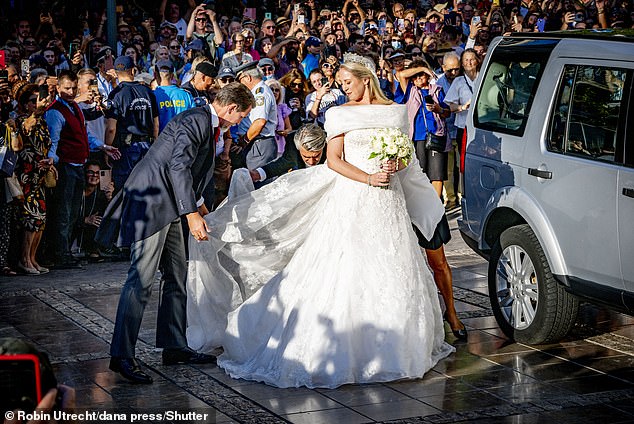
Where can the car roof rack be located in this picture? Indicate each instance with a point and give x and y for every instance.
(626, 35)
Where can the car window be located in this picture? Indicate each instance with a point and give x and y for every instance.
(586, 117)
(506, 95)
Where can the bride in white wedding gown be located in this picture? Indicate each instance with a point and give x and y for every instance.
(317, 279)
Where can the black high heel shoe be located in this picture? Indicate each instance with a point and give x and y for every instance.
(461, 333)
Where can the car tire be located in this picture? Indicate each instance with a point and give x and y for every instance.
(529, 305)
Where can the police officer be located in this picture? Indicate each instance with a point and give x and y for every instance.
(201, 84)
(258, 129)
(131, 120)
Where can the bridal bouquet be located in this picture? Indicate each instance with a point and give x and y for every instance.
(391, 144)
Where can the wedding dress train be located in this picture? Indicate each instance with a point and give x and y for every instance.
(317, 280)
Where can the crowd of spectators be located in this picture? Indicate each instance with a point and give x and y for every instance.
(184, 52)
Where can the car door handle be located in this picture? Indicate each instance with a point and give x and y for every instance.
(540, 174)
(629, 192)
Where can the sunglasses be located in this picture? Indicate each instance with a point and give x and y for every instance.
(227, 80)
(276, 90)
(175, 47)
(295, 84)
(92, 173)
(327, 65)
(267, 68)
(201, 19)
(453, 70)
(124, 32)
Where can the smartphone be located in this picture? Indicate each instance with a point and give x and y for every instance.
(72, 49)
(2, 60)
(119, 8)
(541, 24)
(43, 91)
(249, 13)
(430, 27)
(180, 39)
(4, 75)
(476, 20)
(515, 19)
(296, 8)
(86, 32)
(93, 83)
(382, 25)
(267, 15)
(105, 178)
(324, 81)
(300, 19)
(429, 99)
(20, 382)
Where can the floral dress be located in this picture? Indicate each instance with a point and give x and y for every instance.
(36, 145)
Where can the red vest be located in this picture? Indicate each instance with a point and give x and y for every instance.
(73, 139)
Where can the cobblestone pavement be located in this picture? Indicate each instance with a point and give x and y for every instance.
(587, 378)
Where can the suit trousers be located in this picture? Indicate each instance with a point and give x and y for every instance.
(164, 250)
(261, 152)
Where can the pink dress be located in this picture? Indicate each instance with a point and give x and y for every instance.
(283, 111)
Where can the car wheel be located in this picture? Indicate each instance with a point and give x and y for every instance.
(528, 303)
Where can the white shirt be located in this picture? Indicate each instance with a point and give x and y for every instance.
(460, 92)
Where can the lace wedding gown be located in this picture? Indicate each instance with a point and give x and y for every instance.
(335, 286)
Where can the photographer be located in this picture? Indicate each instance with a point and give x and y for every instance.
(53, 395)
(90, 102)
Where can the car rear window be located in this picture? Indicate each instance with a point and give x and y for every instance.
(509, 85)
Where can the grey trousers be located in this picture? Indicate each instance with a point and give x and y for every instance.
(165, 249)
(261, 152)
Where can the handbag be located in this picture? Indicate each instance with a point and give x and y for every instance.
(435, 142)
(13, 189)
(50, 179)
(8, 157)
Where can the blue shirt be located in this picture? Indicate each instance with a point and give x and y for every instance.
(55, 121)
(309, 63)
(424, 120)
(171, 101)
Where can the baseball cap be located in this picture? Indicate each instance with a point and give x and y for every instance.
(168, 24)
(266, 62)
(226, 72)
(165, 64)
(123, 63)
(207, 68)
(312, 41)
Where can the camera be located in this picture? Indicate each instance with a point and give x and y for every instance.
(43, 91)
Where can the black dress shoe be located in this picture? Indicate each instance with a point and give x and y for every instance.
(130, 369)
(184, 355)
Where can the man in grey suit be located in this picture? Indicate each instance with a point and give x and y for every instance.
(145, 215)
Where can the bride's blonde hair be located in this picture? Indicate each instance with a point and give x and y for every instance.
(362, 72)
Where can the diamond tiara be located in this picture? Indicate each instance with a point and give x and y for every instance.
(362, 60)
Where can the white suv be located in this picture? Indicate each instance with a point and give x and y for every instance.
(549, 178)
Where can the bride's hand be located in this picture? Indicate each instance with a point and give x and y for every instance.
(380, 179)
(389, 166)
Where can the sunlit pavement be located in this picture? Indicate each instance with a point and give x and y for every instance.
(587, 378)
